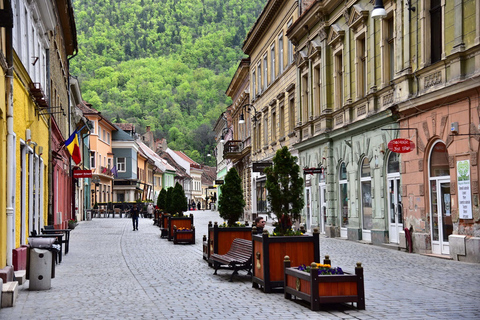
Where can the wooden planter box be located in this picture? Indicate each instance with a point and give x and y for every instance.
(220, 239)
(317, 290)
(269, 253)
(179, 222)
(184, 237)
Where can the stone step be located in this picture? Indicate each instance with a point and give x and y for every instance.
(9, 294)
(21, 276)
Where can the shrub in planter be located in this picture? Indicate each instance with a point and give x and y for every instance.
(321, 284)
(231, 202)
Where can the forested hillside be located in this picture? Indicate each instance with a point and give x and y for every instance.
(163, 63)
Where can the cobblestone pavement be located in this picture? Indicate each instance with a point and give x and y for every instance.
(112, 272)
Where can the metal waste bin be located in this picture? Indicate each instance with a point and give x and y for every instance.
(41, 263)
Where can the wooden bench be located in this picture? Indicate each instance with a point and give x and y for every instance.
(239, 257)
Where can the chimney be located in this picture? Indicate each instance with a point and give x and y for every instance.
(148, 128)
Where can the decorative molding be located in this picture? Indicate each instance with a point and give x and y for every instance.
(432, 79)
(387, 99)
(361, 110)
(339, 120)
(420, 165)
(425, 129)
(335, 35)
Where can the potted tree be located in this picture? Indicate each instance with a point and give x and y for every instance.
(230, 208)
(178, 205)
(285, 195)
(160, 207)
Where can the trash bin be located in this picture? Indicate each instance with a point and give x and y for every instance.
(41, 263)
(89, 215)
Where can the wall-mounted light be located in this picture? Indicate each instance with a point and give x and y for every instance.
(224, 133)
(378, 11)
(248, 108)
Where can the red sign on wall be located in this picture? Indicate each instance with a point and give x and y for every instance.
(82, 174)
(401, 145)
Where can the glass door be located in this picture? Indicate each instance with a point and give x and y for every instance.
(323, 207)
(441, 217)
(395, 209)
(308, 208)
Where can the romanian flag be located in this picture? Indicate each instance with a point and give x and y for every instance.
(74, 147)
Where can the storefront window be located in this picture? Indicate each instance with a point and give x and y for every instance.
(439, 161)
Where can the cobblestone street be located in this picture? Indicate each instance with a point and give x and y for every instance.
(112, 272)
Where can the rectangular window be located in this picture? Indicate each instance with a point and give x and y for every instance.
(436, 30)
(108, 137)
(338, 80)
(259, 78)
(304, 98)
(92, 159)
(272, 63)
(274, 126)
(389, 50)
(316, 90)
(261, 197)
(109, 163)
(265, 130)
(361, 65)
(259, 137)
(121, 165)
(281, 118)
(103, 135)
(265, 72)
(280, 53)
(254, 89)
(290, 46)
(291, 114)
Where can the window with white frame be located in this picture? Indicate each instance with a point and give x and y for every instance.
(92, 159)
(265, 72)
(290, 45)
(343, 192)
(121, 164)
(272, 63)
(259, 78)
(280, 53)
(366, 190)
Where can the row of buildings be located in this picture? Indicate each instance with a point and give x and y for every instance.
(41, 108)
(383, 115)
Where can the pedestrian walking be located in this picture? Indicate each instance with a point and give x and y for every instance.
(150, 210)
(134, 213)
(199, 205)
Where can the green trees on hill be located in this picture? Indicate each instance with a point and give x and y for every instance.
(162, 63)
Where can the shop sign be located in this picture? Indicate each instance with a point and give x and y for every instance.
(401, 145)
(312, 170)
(82, 174)
(464, 189)
(260, 166)
(217, 182)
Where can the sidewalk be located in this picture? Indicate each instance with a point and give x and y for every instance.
(112, 272)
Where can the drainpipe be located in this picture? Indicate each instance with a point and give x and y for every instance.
(10, 136)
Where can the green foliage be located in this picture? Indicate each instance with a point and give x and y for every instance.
(162, 197)
(168, 201)
(179, 201)
(284, 189)
(231, 202)
(162, 63)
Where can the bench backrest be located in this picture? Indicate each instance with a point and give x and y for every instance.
(242, 246)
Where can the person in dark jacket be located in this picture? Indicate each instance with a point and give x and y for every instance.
(260, 224)
(135, 213)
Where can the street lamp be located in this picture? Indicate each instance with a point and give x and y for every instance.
(378, 11)
(248, 108)
(224, 133)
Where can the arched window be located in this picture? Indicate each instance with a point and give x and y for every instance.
(366, 189)
(343, 192)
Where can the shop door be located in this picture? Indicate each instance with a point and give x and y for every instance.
(323, 207)
(441, 216)
(395, 209)
(308, 208)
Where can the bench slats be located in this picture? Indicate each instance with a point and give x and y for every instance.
(239, 256)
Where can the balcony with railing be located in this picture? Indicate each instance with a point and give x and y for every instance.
(235, 149)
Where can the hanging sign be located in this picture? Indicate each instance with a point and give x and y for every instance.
(464, 190)
(260, 166)
(401, 145)
(312, 170)
(82, 174)
(218, 182)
